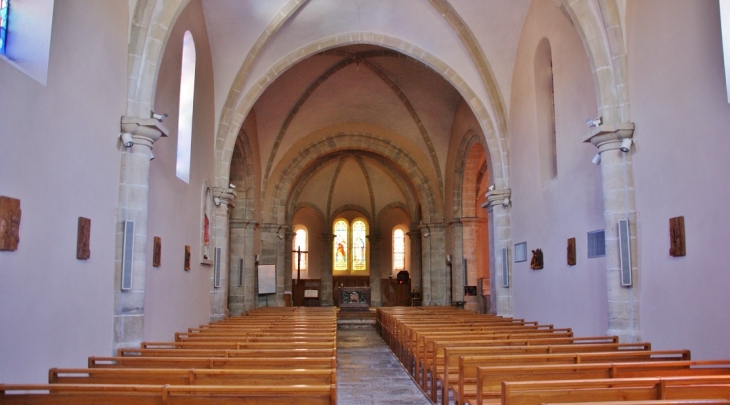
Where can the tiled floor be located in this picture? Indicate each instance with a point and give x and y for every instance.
(369, 374)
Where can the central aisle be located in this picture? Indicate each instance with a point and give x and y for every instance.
(368, 373)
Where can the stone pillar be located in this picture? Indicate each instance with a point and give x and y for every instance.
(288, 260)
(440, 278)
(240, 281)
(498, 211)
(457, 260)
(426, 265)
(416, 259)
(326, 300)
(376, 271)
(224, 202)
(619, 202)
(133, 206)
(272, 252)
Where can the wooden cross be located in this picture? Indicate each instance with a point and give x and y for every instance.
(299, 253)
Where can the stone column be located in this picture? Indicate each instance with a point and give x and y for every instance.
(223, 201)
(376, 272)
(133, 206)
(272, 252)
(457, 260)
(498, 212)
(326, 300)
(440, 277)
(619, 202)
(426, 265)
(241, 295)
(416, 259)
(288, 260)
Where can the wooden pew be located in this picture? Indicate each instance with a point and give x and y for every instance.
(191, 376)
(321, 363)
(490, 379)
(467, 379)
(615, 389)
(448, 373)
(233, 345)
(72, 394)
(265, 353)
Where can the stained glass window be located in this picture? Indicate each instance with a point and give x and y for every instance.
(185, 116)
(299, 261)
(340, 245)
(3, 24)
(359, 238)
(399, 250)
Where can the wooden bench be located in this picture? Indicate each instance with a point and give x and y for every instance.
(191, 376)
(256, 352)
(322, 363)
(490, 379)
(614, 390)
(72, 394)
(467, 378)
(448, 370)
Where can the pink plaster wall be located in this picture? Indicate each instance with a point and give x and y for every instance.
(55, 310)
(546, 214)
(175, 299)
(680, 107)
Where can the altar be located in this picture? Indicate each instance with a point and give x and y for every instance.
(353, 298)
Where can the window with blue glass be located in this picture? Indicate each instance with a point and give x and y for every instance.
(3, 24)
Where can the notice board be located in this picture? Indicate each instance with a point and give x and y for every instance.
(267, 279)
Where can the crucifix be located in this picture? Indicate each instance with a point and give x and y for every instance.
(299, 253)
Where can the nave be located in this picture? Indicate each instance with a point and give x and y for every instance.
(297, 355)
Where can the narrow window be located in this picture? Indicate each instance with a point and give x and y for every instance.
(545, 107)
(185, 116)
(399, 250)
(299, 260)
(340, 245)
(359, 248)
(3, 24)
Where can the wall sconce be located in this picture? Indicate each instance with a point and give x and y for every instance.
(256, 258)
(217, 201)
(506, 202)
(626, 144)
(159, 117)
(126, 138)
(448, 259)
(427, 233)
(593, 123)
(278, 233)
(152, 156)
(596, 159)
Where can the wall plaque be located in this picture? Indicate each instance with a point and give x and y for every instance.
(677, 246)
(536, 262)
(83, 236)
(571, 252)
(157, 251)
(9, 223)
(187, 257)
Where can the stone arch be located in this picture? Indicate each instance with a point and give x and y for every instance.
(235, 110)
(308, 156)
(469, 139)
(395, 204)
(602, 36)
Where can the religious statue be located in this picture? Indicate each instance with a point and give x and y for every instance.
(206, 236)
(536, 262)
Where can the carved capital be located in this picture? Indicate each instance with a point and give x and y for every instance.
(144, 131)
(243, 223)
(224, 196)
(497, 197)
(609, 137)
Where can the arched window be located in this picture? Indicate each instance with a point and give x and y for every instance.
(399, 250)
(545, 100)
(3, 24)
(185, 116)
(340, 245)
(299, 261)
(359, 248)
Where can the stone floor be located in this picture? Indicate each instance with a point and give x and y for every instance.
(369, 374)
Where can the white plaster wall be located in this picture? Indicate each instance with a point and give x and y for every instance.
(546, 215)
(59, 155)
(177, 299)
(679, 105)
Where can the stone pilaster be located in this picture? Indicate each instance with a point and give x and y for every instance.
(133, 206)
(498, 212)
(272, 252)
(326, 300)
(288, 260)
(440, 277)
(376, 272)
(457, 260)
(416, 259)
(619, 202)
(223, 202)
(241, 295)
(426, 265)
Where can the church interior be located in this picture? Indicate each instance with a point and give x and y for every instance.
(169, 163)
